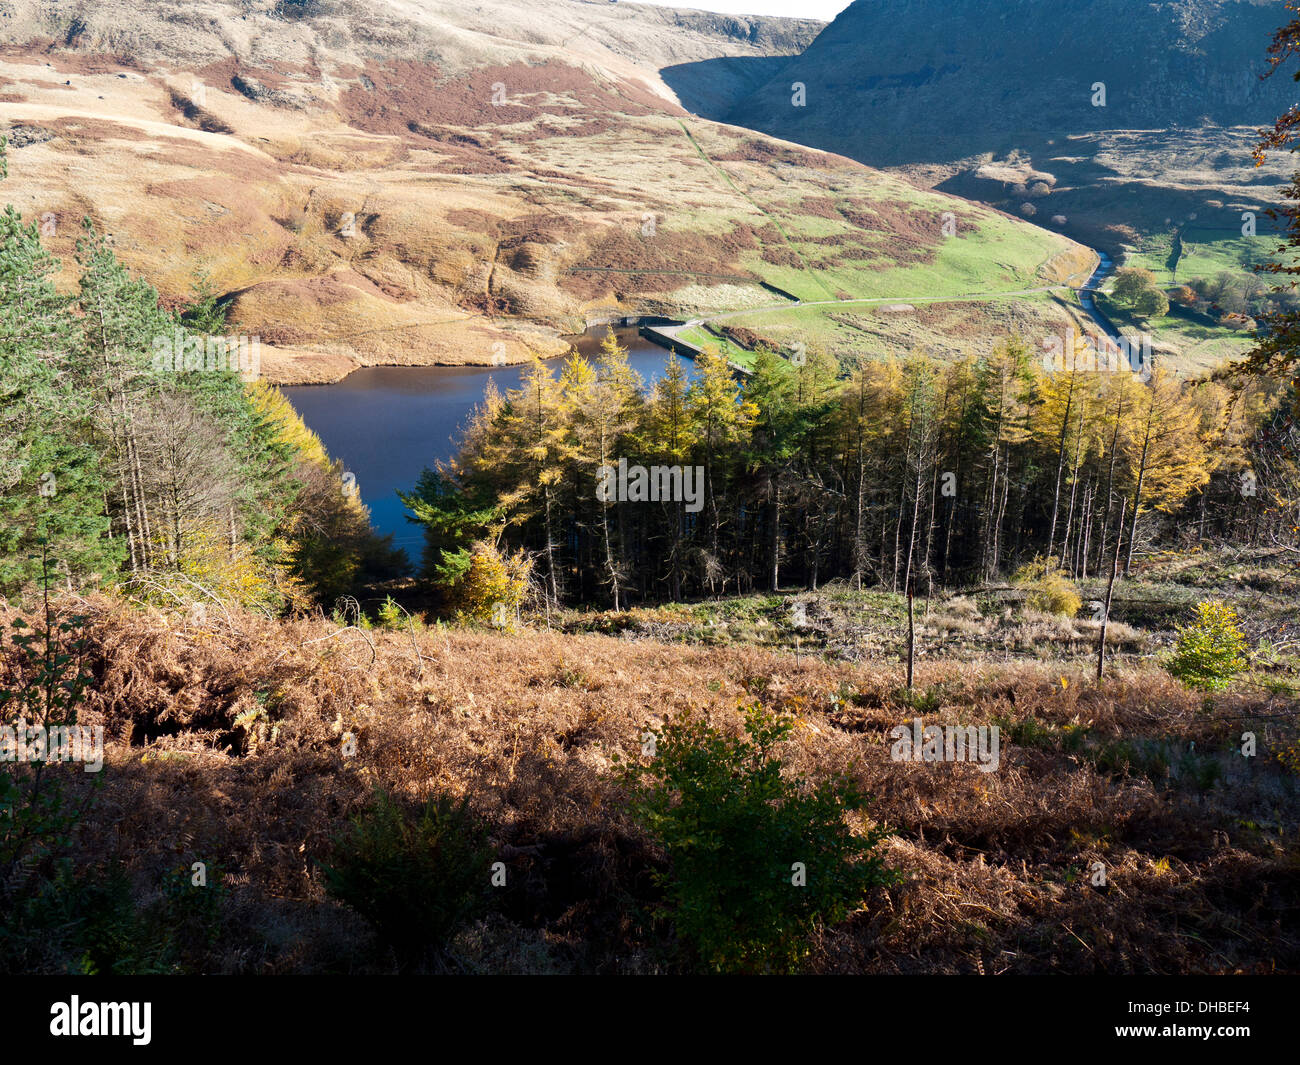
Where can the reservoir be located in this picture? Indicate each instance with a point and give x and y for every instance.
(387, 423)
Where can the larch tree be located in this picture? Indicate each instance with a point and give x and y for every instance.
(1165, 453)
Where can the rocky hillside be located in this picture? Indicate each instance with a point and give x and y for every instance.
(435, 182)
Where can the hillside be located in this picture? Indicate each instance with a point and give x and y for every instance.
(931, 80)
(436, 183)
(228, 743)
(1003, 106)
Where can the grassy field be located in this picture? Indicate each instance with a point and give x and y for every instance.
(1196, 347)
(838, 237)
(1177, 257)
(948, 329)
(1202, 253)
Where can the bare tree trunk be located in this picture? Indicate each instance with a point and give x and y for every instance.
(1137, 496)
(911, 636)
(1060, 465)
(1110, 483)
(775, 488)
(930, 525)
(1001, 518)
(550, 549)
(1074, 491)
(916, 514)
(859, 518)
(1110, 592)
(991, 507)
(611, 569)
(1081, 566)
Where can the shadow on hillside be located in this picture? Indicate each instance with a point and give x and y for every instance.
(711, 88)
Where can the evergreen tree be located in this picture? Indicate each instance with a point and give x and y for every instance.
(52, 483)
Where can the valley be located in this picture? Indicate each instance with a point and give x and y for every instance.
(1121, 141)
(411, 211)
(687, 514)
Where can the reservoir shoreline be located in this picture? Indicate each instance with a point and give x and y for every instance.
(303, 372)
(388, 423)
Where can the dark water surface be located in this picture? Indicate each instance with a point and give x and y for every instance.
(387, 423)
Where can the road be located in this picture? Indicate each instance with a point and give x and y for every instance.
(1089, 304)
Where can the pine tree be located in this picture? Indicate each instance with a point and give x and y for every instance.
(1165, 453)
(52, 484)
(1006, 382)
(774, 443)
(606, 416)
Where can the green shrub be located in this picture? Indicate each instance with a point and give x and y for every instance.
(1047, 588)
(733, 828)
(414, 877)
(922, 702)
(89, 922)
(114, 936)
(494, 587)
(1211, 650)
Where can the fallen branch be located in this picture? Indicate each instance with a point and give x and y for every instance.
(349, 628)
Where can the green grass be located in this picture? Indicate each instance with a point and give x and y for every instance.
(1206, 253)
(1201, 347)
(999, 255)
(703, 338)
(788, 278)
(831, 328)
